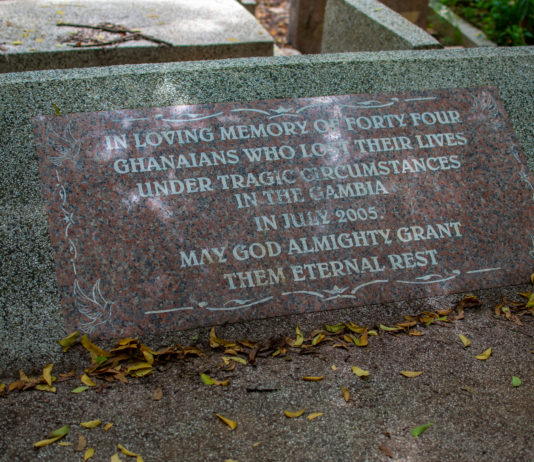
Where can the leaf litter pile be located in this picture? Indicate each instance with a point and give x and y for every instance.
(131, 359)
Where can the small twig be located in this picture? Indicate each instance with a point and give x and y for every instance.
(135, 35)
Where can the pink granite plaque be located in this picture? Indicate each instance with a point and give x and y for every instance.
(171, 218)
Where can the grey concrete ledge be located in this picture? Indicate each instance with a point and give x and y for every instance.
(30, 315)
(368, 25)
(449, 24)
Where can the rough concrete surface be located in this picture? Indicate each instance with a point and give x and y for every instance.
(477, 414)
(204, 29)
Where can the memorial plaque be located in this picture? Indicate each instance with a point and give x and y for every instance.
(176, 217)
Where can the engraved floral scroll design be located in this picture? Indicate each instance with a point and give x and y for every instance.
(485, 109)
(281, 111)
(325, 295)
(95, 307)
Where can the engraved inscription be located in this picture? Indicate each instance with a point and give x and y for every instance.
(170, 218)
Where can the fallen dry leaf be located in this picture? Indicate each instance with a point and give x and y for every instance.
(93, 350)
(360, 372)
(115, 458)
(47, 374)
(53, 437)
(125, 451)
(46, 442)
(411, 374)
(466, 342)
(231, 423)
(207, 380)
(346, 394)
(82, 443)
(86, 380)
(2, 388)
(88, 454)
(91, 423)
(485, 355)
(70, 339)
(108, 426)
(64, 444)
(48, 388)
(295, 414)
(79, 389)
(313, 379)
(314, 415)
(158, 394)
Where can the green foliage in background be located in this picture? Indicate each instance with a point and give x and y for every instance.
(506, 22)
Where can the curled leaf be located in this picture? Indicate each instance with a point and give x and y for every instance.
(93, 350)
(464, 340)
(70, 339)
(389, 329)
(346, 394)
(47, 374)
(295, 414)
(314, 415)
(360, 372)
(411, 374)
(231, 423)
(237, 359)
(335, 328)
(300, 338)
(420, 429)
(88, 454)
(313, 379)
(46, 442)
(115, 458)
(485, 355)
(87, 381)
(91, 423)
(516, 381)
(125, 451)
(108, 426)
(216, 342)
(62, 431)
(79, 389)
(207, 380)
(43, 387)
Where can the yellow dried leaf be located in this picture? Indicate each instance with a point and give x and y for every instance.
(314, 415)
(360, 372)
(300, 338)
(47, 374)
(125, 451)
(313, 379)
(485, 355)
(138, 365)
(389, 329)
(39, 40)
(411, 374)
(139, 459)
(318, 339)
(216, 342)
(91, 423)
(93, 350)
(88, 454)
(18, 42)
(237, 359)
(108, 426)
(231, 423)
(364, 339)
(64, 444)
(158, 394)
(464, 340)
(42, 387)
(46, 442)
(334, 367)
(87, 381)
(232, 39)
(416, 333)
(256, 444)
(115, 458)
(60, 12)
(2, 388)
(346, 394)
(295, 414)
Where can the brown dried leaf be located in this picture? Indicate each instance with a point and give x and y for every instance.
(158, 394)
(216, 342)
(47, 374)
(93, 350)
(346, 394)
(82, 443)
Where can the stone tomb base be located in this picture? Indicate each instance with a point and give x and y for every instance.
(177, 30)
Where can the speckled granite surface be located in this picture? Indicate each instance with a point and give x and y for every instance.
(204, 29)
(368, 25)
(30, 302)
